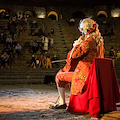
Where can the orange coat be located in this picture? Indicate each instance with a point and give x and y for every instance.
(86, 53)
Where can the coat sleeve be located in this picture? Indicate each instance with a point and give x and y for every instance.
(81, 50)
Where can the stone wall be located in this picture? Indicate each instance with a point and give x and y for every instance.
(65, 11)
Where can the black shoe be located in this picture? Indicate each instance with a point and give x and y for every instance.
(57, 106)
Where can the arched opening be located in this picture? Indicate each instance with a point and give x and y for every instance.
(115, 12)
(2, 10)
(102, 14)
(78, 14)
(30, 13)
(4, 14)
(53, 15)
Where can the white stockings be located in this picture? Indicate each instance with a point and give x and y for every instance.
(61, 92)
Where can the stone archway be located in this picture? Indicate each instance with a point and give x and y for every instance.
(53, 15)
(2, 10)
(78, 14)
(5, 13)
(102, 14)
(30, 13)
(115, 12)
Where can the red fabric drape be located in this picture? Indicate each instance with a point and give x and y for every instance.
(101, 91)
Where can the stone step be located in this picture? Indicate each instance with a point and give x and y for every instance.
(42, 70)
(22, 76)
(63, 50)
(22, 81)
(26, 76)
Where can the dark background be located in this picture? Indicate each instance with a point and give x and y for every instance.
(60, 2)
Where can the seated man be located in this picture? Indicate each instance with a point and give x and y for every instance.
(34, 46)
(55, 64)
(48, 62)
(87, 47)
(5, 59)
(18, 49)
(33, 61)
(41, 61)
(118, 55)
(9, 41)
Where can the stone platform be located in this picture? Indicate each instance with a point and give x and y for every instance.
(31, 102)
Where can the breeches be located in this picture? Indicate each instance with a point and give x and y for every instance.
(65, 79)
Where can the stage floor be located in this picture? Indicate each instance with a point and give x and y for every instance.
(31, 102)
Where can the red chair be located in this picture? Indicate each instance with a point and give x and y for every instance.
(101, 91)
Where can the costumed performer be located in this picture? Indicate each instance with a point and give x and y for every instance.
(79, 61)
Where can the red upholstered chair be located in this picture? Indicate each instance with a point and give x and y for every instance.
(101, 91)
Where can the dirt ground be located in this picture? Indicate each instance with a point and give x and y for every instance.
(31, 102)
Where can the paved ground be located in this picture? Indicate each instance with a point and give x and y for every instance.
(31, 102)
